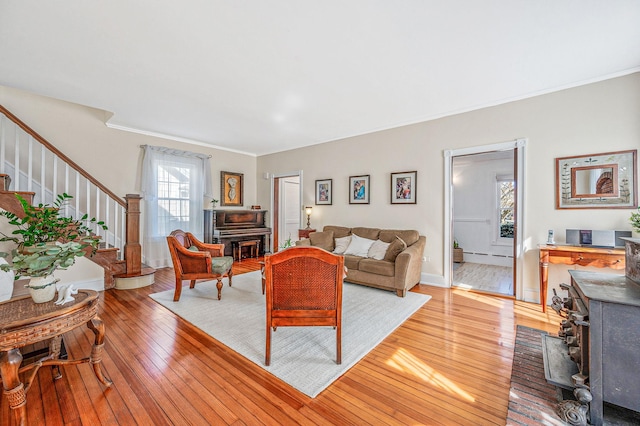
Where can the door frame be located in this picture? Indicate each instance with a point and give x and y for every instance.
(275, 204)
(518, 247)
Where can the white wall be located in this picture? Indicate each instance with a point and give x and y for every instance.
(594, 118)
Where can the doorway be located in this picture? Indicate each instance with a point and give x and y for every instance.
(517, 150)
(483, 221)
(286, 209)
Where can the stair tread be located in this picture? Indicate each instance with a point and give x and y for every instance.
(146, 270)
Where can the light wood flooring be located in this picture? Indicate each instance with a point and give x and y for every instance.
(486, 278)
(449, 364)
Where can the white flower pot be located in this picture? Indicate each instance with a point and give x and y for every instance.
(42, 289)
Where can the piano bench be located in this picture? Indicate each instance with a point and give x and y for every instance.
(254, 248)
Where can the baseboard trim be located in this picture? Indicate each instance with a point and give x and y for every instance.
(432, 279)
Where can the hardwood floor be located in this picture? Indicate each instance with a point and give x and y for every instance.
(449, 364)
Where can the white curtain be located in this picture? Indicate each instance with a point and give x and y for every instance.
(174, 184)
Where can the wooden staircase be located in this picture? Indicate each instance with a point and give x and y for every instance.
(120, 255)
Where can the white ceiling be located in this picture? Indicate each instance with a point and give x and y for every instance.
(259, 76)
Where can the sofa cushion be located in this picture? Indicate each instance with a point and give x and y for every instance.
(338, 231)
(341, 244)
(351, 262)
(396, 247)
(359, 246)
(368, 233)
(323, 239)
(378, 267)
(378, 250)
(408, 236)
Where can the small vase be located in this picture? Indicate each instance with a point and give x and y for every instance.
(42, 289)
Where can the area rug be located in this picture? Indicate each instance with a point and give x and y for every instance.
(532, 401)
(303, 357)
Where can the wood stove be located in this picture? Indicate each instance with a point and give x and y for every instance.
(597, 354)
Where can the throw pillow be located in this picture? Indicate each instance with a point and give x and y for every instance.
(378, 250)
(193, 248)
(396, 247)
(342, 244)
(359, 246)
(323, 239)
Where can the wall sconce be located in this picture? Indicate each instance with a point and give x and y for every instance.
(307, 210)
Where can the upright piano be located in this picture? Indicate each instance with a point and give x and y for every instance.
(225, 226)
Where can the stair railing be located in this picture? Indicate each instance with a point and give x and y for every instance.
(35, 165)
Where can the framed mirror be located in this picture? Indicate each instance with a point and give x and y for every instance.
(606, 180)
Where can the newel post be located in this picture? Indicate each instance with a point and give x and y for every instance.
(132, 248)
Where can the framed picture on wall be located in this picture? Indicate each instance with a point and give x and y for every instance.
(231, 188)
(359, 189)
(597, 181)
(403, 187)
(324, 192)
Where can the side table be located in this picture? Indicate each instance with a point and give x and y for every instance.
(598, 257)
(23, 322)
(304, 233)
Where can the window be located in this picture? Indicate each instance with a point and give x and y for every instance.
(174, 184)
(174, 198)
(505, 207)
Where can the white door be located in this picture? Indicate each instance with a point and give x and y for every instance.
(289, 209)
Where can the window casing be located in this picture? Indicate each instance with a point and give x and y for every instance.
(505, 208)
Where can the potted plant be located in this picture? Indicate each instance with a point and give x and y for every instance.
(47, 241)
(287, 243)
(635, 220)
(214, 203)
(458, 254)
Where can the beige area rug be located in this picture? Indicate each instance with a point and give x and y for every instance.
(303, 357)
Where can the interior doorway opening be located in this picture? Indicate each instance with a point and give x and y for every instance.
(500, 223)
(286, 208)
(484, 204)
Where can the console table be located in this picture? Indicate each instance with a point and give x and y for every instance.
(23, 322)
(599, 257)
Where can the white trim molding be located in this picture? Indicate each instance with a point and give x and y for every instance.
(520, 144)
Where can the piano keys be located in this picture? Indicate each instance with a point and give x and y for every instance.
(225, 226)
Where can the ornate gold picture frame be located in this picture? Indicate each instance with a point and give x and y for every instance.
(231, 189)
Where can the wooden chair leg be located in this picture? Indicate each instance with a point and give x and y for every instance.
(176, 295)
(193, 284)
(339, 345)
(267, 356)
(219, 286)
(230, 273)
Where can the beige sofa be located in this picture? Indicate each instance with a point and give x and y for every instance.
(392, 262)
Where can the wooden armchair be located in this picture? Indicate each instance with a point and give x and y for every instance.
(194, 260)
(304, 288)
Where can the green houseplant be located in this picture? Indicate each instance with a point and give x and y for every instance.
(635, 220)
(47, 241)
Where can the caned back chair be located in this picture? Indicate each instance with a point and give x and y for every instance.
(304, 288)
(194, 260)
